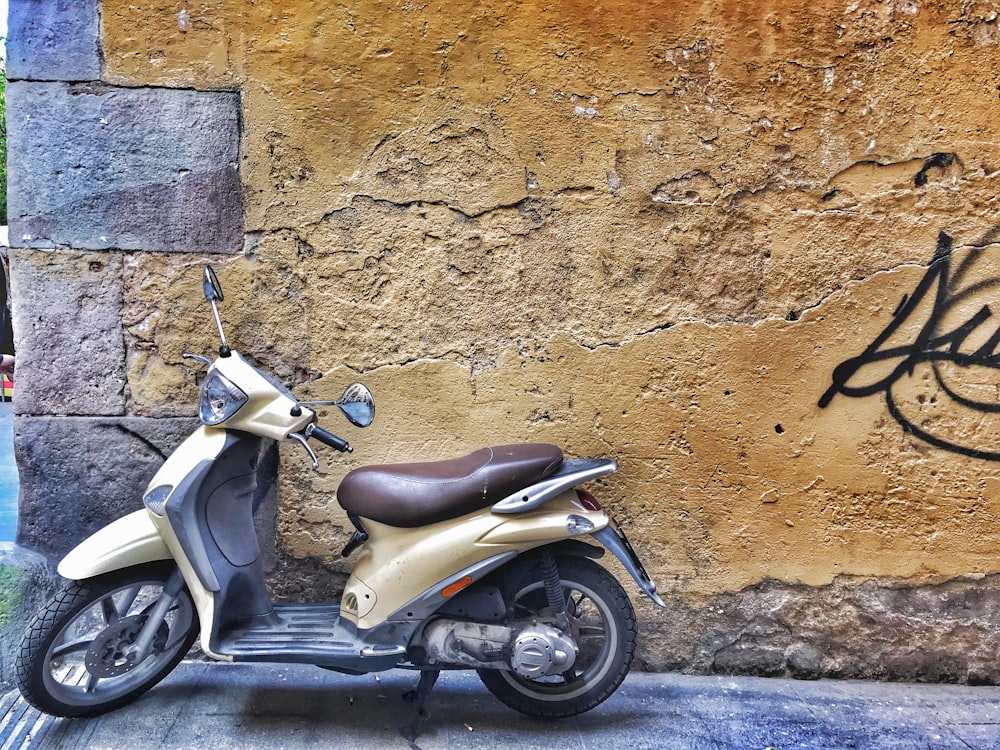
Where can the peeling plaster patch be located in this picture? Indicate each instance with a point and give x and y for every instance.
(251, 244)
(588, 112)
(695, 189)
(614, 181)
(420, 164)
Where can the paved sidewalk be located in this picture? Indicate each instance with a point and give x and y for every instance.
(221, 706)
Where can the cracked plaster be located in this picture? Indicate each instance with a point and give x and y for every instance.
(666, 278)
(650, 232)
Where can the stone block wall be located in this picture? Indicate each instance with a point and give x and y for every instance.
(101, 176)
(747, 249)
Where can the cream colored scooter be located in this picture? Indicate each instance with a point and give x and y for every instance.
(474, 562)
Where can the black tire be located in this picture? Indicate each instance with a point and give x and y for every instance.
(603, 624)
(70, 661)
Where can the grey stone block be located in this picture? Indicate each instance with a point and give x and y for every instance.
(68, 332)
(80, 473)
(98, 167)
(26, 583)
(53, 40)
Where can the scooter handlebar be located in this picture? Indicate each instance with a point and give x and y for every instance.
(328, 438)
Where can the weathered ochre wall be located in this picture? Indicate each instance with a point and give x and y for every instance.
(639, 229)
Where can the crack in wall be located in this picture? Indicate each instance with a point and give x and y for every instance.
(153, 448)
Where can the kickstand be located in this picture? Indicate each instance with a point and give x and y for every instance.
(419, 698)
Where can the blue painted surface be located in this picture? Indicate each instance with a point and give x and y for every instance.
(8, 475)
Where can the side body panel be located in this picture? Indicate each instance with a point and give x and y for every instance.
(398, 565)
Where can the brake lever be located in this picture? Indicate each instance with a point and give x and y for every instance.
(301, 439)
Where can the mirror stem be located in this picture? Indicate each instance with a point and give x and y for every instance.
(224, 350)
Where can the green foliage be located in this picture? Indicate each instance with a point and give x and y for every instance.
(10, 594)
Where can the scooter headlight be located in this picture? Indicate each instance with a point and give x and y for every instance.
(220, 399)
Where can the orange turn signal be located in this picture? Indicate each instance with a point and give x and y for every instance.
(454, 588)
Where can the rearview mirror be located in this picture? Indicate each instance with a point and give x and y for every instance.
(213, 289)
(357, 404)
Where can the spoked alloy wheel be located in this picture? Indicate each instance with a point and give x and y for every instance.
(75, 659)
(602, 623)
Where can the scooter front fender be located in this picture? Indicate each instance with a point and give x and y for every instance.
(131, 540)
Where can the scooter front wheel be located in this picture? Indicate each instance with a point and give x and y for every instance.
(75, 660)
(603, 624)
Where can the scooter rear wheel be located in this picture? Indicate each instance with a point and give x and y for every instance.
(603, 624)
(73, 658)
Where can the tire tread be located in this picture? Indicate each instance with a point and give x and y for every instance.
(45, 626)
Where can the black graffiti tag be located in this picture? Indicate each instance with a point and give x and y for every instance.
(953, 294)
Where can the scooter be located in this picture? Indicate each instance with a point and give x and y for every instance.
(470, 563)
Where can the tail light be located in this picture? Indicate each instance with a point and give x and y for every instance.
(587, 500)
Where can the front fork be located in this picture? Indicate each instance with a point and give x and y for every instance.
(144, 643)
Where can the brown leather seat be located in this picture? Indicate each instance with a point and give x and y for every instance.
(416, 494)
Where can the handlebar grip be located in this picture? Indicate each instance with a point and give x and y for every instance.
(328, 438)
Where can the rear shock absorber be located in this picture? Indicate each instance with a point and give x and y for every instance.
(554, 589)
